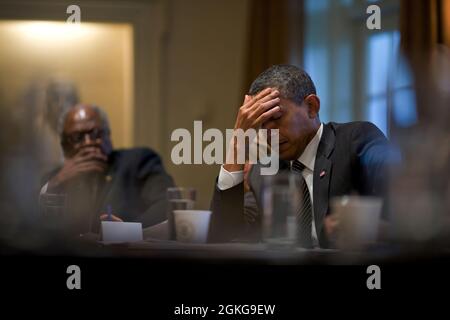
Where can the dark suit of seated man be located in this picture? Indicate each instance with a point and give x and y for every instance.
(101, 183)
(333, 159)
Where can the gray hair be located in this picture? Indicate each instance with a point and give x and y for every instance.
(100, 112)
(292, 82)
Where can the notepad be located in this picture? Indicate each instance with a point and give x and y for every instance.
(119, 232)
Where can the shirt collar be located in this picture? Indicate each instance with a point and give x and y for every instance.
(308, 157)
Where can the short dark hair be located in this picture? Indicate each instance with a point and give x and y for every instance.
(292, 82)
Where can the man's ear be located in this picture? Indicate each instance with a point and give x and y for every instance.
(313, 103)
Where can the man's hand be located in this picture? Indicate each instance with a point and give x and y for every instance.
(258, 109)
(89, 159)
(252, 114)
(106, 217)
(331, 224)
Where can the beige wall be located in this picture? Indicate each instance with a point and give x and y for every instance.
(204, 75)
(96, 57)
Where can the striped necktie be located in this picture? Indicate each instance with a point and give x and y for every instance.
(304, 212)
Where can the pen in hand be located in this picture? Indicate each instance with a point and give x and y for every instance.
(109, 213)
(109, 216)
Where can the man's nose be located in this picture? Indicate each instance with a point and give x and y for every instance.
(87, 138)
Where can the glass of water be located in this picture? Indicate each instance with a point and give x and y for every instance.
(179, 199)
(281, 197)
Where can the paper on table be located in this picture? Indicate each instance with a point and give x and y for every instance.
(119, 232)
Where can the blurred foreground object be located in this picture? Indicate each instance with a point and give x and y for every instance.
(420, 191)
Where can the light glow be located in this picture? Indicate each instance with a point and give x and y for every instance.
(48, 31)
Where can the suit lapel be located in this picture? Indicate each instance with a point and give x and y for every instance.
(321, 179)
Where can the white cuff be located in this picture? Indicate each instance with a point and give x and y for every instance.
(228, 179)
(44, 189)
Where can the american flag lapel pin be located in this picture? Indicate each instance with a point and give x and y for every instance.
(322, 173)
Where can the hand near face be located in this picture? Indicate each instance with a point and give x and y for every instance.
(258, 109)
(252, 114)
(86, 160)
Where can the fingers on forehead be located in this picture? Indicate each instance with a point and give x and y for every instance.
(263, 93)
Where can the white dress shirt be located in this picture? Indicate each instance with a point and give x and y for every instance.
(228, 179)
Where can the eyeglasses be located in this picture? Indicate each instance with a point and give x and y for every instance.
(78, 137)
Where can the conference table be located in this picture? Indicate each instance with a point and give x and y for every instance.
(174, 271)
(258, 253)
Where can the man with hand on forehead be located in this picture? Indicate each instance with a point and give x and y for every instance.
(100, 183)
(332, 159)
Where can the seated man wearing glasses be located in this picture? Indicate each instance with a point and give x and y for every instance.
(98, 182)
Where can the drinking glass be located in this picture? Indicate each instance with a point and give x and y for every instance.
(281, 197)
(179, 199)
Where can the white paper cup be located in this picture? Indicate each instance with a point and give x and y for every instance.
(192, 225)
(358, 221)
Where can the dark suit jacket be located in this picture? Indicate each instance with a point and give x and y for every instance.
(134, 186)
(352, 155)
